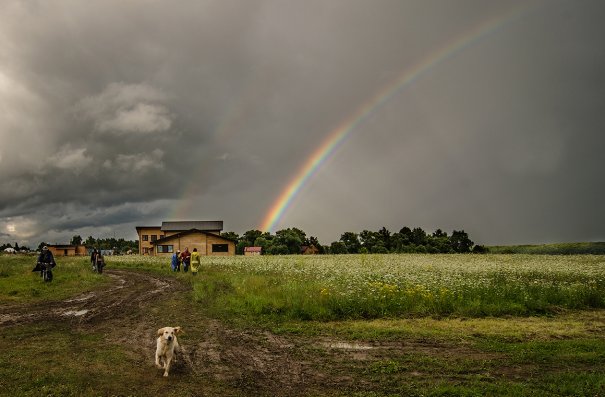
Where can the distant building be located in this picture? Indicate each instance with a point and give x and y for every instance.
(309, 250)
(67, 250)
(166, 239)
(252, 251)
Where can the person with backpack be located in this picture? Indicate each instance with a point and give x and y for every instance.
(45, 264)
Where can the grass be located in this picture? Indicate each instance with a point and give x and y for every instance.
(19, 284)
(437, 325)
(333, 288)
(587, 248)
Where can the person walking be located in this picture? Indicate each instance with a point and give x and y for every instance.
(93, 259)
(45, 264)
(175, 262)
(99, 262)
(195, 261)
(185, 259)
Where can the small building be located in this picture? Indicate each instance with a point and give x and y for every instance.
(252, 251)
(172, 236)
(67, 250)
(309, 250)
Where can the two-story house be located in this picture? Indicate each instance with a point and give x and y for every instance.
(172, 236)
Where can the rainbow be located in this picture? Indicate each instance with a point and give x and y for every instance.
(338, 135)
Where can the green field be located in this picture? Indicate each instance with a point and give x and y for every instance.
(588, 248)
(359, 325)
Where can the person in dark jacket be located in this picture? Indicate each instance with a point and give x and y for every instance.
(93, 258)
(46, 261)
(99, 262)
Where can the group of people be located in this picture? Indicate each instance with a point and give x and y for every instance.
(46, 262)
(186, 259)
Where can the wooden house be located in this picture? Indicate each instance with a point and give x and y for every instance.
(170, 237)
(309, 250)
(67, 250)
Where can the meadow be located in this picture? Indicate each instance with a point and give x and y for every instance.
(345, 287)
(361, 325)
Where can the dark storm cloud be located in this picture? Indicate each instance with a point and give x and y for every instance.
(117, 114)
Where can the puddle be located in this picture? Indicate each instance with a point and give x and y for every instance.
(81, 298)
(347, 346)
(75, 313)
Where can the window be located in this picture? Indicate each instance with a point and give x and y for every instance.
(154, 237)
(165, 249)
(220, 247)
(145, 237)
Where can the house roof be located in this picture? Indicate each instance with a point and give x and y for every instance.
(253, 249)
(62, 246)
(177, 226)
(146, 227)
(177, 235)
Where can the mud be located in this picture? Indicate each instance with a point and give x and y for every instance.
(250, 361)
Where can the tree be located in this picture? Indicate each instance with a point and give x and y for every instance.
(480, 249)
(262, 242)
(368, 239)
(231, 236)
(379, 248)
(76, 240)
(239, 247)
(314, 241)
(292, 238)
(351, 242)
(384, 236)
(460, 242)
(418, 236)
(90, 242)
(439, 233)
(338, 247)
(250, 236)
(279, 249)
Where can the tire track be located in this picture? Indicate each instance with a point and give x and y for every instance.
(126, 294)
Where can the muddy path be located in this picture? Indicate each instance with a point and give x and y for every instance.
(129, 291)
(135, 304)
(245, 361)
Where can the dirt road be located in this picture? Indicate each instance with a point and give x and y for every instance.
(136, 304)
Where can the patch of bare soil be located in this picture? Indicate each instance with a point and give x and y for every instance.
(249, 362)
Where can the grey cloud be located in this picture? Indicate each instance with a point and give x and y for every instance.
(122, 113)
(126, 108)
(137, 163)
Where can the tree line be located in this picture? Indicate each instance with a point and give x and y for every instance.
(294, 240)
(406, 240)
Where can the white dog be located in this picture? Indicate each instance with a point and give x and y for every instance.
(167, 346)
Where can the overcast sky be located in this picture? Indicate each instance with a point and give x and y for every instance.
(116, 114)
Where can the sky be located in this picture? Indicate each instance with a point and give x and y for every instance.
(486, 116)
